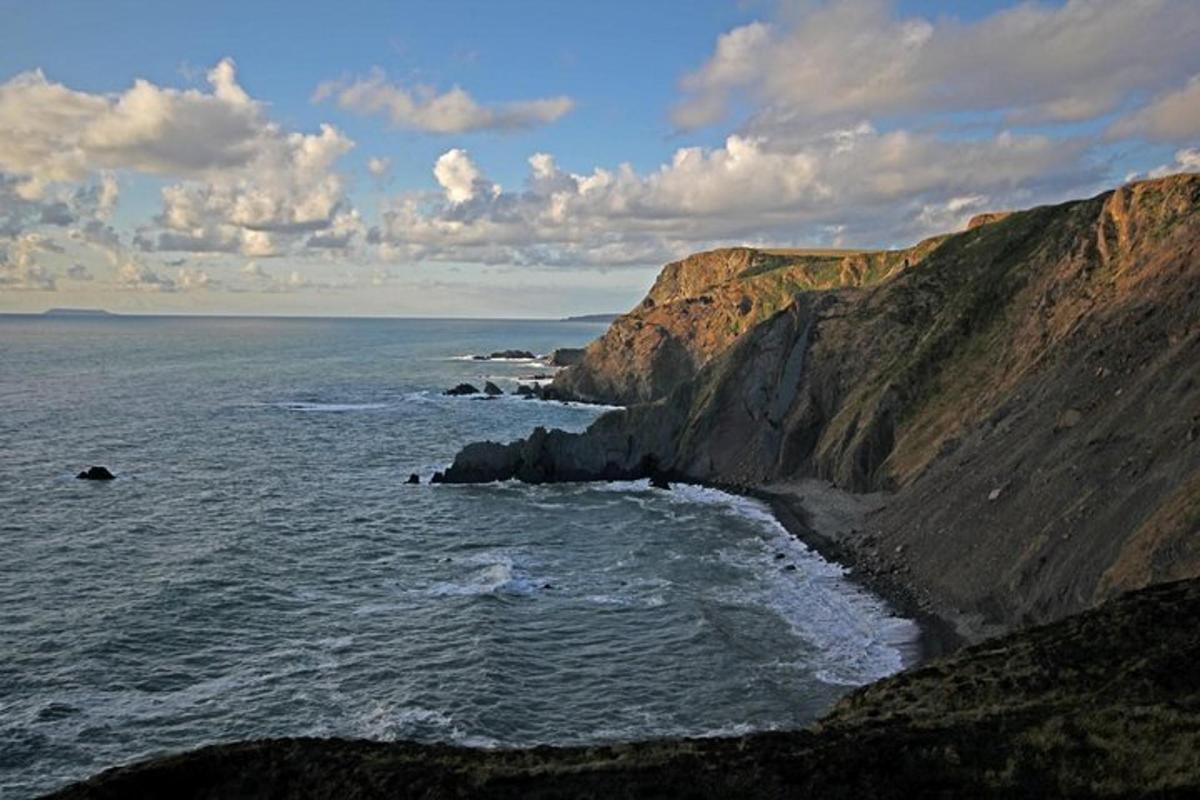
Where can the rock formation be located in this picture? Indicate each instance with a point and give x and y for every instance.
(1027, 389)
(96, 474)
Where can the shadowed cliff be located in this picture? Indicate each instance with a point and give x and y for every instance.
(1104, 704)
(1029, 390)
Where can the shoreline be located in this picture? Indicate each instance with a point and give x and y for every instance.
(937, 635)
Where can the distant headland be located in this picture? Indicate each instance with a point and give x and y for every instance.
(592, 318)
(77, 312)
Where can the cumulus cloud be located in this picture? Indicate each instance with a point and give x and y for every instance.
(1186, 160)
(248, 186)
(863, 184)
(53, 133)
(1171, 117)
(847, 60)
(423, 108)
(20, 267)
(379, 167)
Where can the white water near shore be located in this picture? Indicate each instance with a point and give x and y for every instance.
(259, 568)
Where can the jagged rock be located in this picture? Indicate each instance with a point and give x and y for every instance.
(96, 474)
(659, 482)
(461, 389)
(566, 356)
(492, 389)
(525, 390)
(413, 478)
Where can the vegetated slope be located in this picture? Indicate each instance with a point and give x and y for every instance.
(701, 304)
(1106, 703)
(1030, 390)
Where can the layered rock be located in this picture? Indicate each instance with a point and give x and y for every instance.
(700, 305)
(1030, 391)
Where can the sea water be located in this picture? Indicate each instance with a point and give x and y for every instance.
(260, 567)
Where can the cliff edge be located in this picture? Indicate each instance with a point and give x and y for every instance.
(1028, 391)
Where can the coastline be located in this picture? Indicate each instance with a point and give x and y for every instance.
(938, 635)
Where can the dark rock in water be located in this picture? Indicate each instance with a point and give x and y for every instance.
(479, 358)
(513, 354)
(525, 391)
(461, 389)
(790, 568)
(438, 477)
(659, 482)
(414, 478)
(566, 356)
(780, 556)
(95, 474)
(492, 389)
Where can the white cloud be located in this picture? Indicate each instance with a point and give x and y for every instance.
(1186, 160)
(848, 59)
(379, 167)
(249, 186)
(858, 184)
(423, 108)
(1171, 117)
(19, 265)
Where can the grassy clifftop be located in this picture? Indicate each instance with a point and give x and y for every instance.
(700, 305)
(1029, 390)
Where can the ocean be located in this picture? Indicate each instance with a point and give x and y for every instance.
(260, 568)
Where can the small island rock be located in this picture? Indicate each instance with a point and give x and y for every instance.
(95, 474)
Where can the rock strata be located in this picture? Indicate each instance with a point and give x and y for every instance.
(1024, 390)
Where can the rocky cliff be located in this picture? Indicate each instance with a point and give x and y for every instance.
(1028, 390)
(1105, 704)
(699, 306)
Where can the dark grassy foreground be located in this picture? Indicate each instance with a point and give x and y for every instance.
(1105, 703)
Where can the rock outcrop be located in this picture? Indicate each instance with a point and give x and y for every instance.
(1103, 704)
(700, 305)
(1029, 390)
(461, 390)
(96, 474)
(566, 356)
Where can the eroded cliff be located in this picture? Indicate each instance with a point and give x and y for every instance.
(1029, 390)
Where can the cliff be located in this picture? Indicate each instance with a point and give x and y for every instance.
(699, 306)
(1106, 703)
(1028, 390)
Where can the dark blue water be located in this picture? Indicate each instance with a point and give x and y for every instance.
(259, 568)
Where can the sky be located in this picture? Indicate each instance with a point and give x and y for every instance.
(541, 159)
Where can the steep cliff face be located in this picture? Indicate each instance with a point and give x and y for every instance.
(699, 306)
(1030, 390)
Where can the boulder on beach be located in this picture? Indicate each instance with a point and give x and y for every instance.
(492, 389)
(95, 474)
(461, 389)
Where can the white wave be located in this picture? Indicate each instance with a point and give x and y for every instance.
(855, 635)
(496, 575)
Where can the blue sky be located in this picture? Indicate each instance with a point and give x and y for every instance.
(672, 127)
